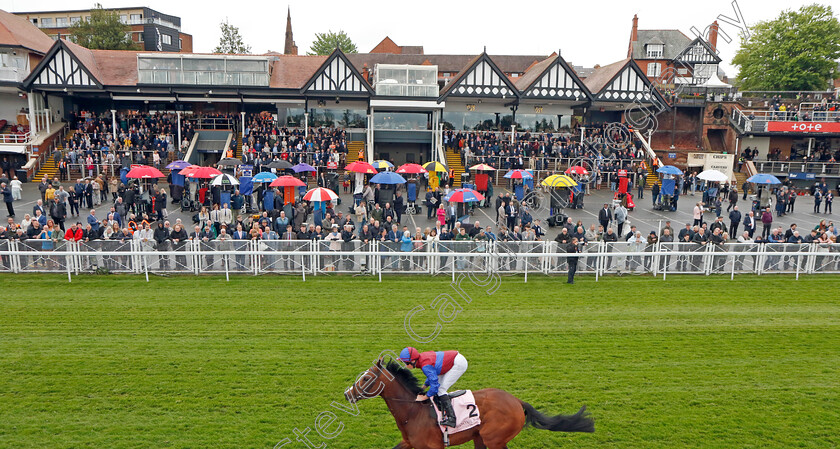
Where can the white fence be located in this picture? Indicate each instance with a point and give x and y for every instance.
(313, 258)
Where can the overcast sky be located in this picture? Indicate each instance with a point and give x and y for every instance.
(587, 32)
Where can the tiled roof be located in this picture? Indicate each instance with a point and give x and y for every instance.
(445, 63)
(533, 73)
(675, 42)
(602, 75)
(293, 71)
(16, 31)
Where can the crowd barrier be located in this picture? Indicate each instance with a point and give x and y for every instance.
(314, 258)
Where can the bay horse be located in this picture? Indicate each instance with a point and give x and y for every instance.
(503, 415)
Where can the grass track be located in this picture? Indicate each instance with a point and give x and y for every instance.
(185, 362)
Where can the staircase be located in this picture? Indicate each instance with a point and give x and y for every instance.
(238, 153)
(652, 178)
(49, 168)
(353, 149)
(740, 178)
(453, 162)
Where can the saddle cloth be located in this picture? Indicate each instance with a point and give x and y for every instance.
(466, 412)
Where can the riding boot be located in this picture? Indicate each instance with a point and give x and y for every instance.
(445, 406)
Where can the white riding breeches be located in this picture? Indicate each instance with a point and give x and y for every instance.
(459, 366)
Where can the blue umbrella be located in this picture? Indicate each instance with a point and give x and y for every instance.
(762, 178)
(303, 167)
(265, 176)
(463, 196)
(387, 177)
(669, 170)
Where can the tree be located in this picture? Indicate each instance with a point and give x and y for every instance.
(231, 41)
(796, 51)
(326, 43)
(104, 31)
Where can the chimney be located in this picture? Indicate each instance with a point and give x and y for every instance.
(634, 35)
(713, 35)
(366, 73)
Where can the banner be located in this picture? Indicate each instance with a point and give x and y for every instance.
(804, 127)
(712, 161)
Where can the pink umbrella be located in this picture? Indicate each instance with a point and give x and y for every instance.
(287, 181)
(144, 172)
(411, 169)
(320, 194)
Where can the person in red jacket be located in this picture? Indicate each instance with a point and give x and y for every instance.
(442, 370)
(74, 233)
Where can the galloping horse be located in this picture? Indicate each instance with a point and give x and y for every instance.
(503, 416)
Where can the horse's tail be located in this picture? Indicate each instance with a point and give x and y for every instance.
(579, 422)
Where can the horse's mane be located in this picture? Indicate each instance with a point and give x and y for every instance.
(404, 376)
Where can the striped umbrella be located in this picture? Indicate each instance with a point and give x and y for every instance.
(434, 166)
(483, 167)
(518, 174)
(144, 172)
(320, 194)
(559, 181)
(287, 181)
(382, 165)
(463, 196)
(265, 176)
(361, 167)
(411, 169)
(224, 180)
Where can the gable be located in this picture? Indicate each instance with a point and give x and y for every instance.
(482, 79)
(698, 52)
(628, 85)
(558, 81)
(61, 68)
(337, 76)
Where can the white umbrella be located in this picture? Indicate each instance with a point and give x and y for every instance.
(713, 176)
(320, 194)
(224, 180)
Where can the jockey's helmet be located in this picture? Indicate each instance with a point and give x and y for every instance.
(408, 354)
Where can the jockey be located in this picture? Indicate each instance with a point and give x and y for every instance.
(442, 370)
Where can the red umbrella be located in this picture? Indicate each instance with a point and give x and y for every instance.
(411, 169)
(287, 181)
(577, 170)
(464, 196)
(361, 167)
(144, 172)
(204, 172)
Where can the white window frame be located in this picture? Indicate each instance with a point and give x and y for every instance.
(47, 22)
(61, 22)
(654, 51)
(75, 20)
(166, 39)
(134, 21)
(654, 69)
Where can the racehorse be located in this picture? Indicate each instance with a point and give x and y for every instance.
(503, 416)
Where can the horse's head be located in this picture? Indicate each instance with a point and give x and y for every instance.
(370, 383)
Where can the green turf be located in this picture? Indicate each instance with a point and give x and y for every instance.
(184, 362)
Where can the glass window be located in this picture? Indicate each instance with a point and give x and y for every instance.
(46, 22)
(123, 18)
(405, 121)
(654, 69)
(74, 20)
(61, 21)
(654, 51)
(246, 65)
(166, 39)
(136, 18)
(470, 121)
(204, 64)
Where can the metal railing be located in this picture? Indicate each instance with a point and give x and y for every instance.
(447, 258)
(785, 167)
(756, 120)
(15, 138)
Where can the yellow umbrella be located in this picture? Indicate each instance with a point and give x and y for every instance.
(559, 181)
(484, 167)
(434, 166)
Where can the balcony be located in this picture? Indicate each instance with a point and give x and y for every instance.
(397, 80)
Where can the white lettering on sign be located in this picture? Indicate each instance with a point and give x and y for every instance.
(806, 127)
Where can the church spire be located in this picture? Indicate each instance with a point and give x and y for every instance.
(290, 48)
